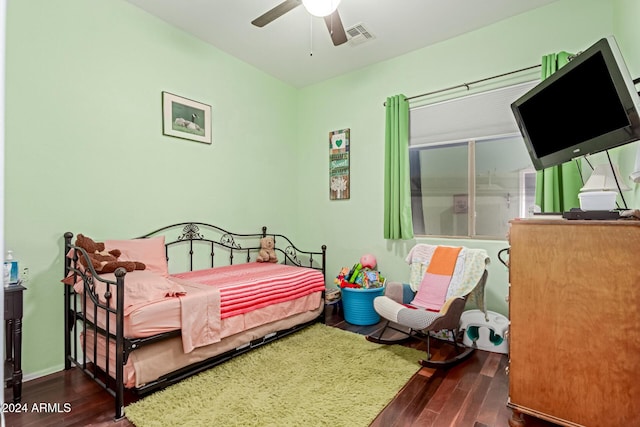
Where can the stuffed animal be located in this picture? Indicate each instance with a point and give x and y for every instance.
(267, 252)
(101, 260)
(368, 261)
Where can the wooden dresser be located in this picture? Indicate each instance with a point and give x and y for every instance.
(574, 338)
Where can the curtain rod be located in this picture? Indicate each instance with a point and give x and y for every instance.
(470, 83)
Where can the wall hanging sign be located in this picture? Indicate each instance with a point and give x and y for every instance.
(185, 118)
(339, 164)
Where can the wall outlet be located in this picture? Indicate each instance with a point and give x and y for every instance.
(24, 275)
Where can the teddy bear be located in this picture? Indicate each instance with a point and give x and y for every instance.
(101, 260)
(267, 252)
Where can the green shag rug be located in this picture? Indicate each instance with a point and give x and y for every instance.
(320, 376)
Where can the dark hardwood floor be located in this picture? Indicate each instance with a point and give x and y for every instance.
(470, 394)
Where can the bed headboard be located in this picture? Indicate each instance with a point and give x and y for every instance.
(210, 246)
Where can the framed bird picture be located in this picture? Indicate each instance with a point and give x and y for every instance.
(185, 118)
(339, 164)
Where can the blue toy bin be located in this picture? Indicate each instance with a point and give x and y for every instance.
(357, 304)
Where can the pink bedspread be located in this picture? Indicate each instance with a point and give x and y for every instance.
(235, 290)
(203, 299)
(199, 315)
(246, 287)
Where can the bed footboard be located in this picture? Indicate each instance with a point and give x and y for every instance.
(203, 246)
(107, 296)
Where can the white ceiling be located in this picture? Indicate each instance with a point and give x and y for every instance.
(283, 48)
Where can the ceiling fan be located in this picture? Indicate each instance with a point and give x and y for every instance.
(326, 9)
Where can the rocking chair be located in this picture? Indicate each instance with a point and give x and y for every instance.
(443, 279)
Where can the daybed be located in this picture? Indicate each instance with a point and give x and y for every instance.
(146, 329)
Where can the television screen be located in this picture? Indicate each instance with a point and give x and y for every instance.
(587, 106)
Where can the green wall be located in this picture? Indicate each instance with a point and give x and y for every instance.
(83, 130)
(355, 100)
(85, 151)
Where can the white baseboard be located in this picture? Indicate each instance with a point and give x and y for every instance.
(43, 373)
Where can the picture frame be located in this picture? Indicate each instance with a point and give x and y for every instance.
(185, 118)
(460, 203)
(339, 165)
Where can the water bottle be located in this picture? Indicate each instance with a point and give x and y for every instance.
(10, 270)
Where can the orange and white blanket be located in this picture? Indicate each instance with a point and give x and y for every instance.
(435, 282)
(465, 278)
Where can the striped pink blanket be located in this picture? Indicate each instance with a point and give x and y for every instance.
(246, 287)
(235, 290)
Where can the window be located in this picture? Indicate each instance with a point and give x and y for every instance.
(470, 170)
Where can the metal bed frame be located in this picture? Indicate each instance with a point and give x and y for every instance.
(193, 235)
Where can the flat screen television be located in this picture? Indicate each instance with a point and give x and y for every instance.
(587, 106)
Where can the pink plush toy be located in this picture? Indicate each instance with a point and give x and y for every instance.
(368, 261)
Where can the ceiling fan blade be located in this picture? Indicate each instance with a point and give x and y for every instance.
(276, 12)
(336, 29)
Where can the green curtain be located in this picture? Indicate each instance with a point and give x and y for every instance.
(397, 189)
(557, 187)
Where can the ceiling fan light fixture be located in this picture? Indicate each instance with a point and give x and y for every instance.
(321, 8)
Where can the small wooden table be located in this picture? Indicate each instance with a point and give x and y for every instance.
(13, 296)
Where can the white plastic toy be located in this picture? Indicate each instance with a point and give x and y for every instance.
(488, 335)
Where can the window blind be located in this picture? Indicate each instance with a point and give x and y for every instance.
(477, 116)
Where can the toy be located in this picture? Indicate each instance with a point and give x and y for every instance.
(355, 271)
(368, 261)
(342, 277)
(359, 277)
(267, 252)
(101, 260)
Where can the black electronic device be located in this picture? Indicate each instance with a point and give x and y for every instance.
(576, 213)
(589, 105)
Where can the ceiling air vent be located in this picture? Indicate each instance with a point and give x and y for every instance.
(358, 34)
